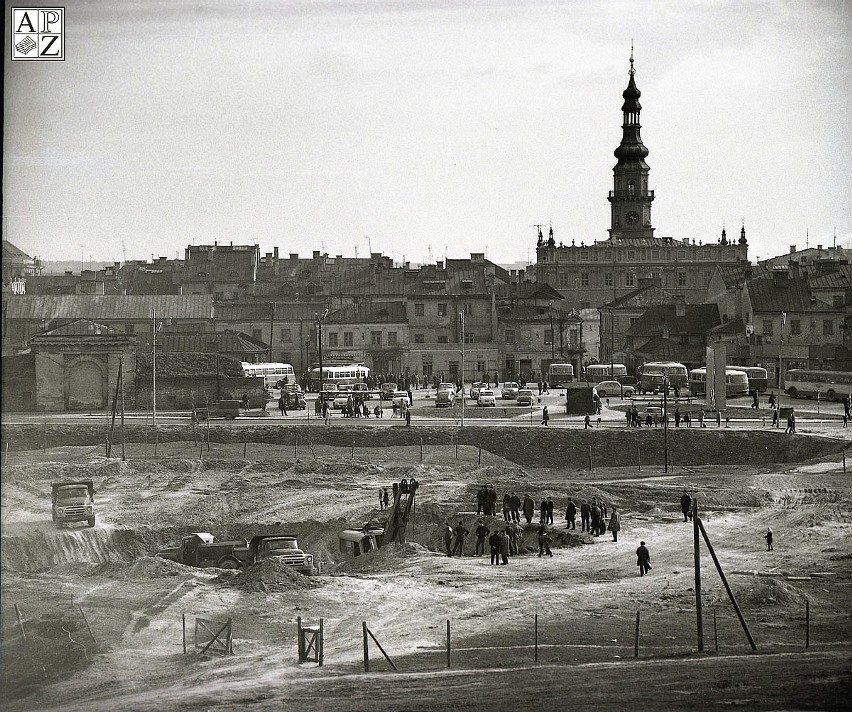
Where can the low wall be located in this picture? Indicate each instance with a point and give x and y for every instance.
(182, 392)
(534, 447)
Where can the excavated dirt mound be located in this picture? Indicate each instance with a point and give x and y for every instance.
(385, 559)
(765, 591)
(269, 576)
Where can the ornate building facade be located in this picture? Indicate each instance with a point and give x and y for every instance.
(594, 274)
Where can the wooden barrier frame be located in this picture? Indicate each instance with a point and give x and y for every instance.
(220, 641)
(310, 642)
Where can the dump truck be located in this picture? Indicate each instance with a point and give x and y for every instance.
(354, 542)
(73, 501)
(201, 549)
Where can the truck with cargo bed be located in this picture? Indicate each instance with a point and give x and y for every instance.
(201, 549)
(73, 501)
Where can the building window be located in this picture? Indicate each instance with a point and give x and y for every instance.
(332, 338)
(767, 327)
(468, 337)
(630, 279)
(631, 255)
(828, 327)
(419, 310)
(564, 279)
(681, 279)
(427, 368)
(548, 336)
(468, 309)
(584, 279)
(419, 339)
(607, 279)
(795, 327)
(286, 335)
(510, 336)
(347, 338)
(443, 339)
(392, 338)
(837, 300)
(256, 334)
(442, 310)
(376, 338)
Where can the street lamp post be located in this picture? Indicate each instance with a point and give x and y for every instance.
(318, 319)
(155, 331)
(552, 340)
(461, 318)
(780, 370)
(666, 424)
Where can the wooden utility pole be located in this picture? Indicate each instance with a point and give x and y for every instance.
(696, 544)
(121, 382)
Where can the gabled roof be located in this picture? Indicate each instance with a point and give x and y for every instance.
(780, 293)
(527, 290)
(82, 327)
(645, 296)
(10, 252)
(697, 319)
(660, 349)
(840, 279)
(735, 326)
(110, 307)
(227, 341)
(735, 275)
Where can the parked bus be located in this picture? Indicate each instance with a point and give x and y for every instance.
(271, 373)
(597, 372)
(559, 374)
(652, 376)
(757, 377)
(831, 385)
(339, 375)
(736, 382)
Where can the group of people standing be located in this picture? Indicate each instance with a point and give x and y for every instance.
(513, 506)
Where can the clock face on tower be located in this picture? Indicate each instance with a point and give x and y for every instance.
(632, 217)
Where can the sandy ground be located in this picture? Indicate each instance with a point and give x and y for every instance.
(586, 597)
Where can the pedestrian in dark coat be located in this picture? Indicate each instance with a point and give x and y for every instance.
(585, 513)
(549, 510)
(615, 524)
(768, 538)
(514, 538)
(542, 511)
(481, 532)
(529, 508)
(515, 508)
(494, 543)
(385, 497)
(504, 547)
(507, 506)
(492, 501)
(571, 515)
(677, 417)
(448, 538)
(545, 416)
(282, 405)
(643, 559)
(460, 533)
(481, 500)
(595, 518)
(686, 506)
(544, 540)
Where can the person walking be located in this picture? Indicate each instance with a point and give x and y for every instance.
(543, 540)
(326, 412)
(282, 405)
(771, 399)
(504, 547)
(587, 423)
(585, 512)
(481, 532)
(528, 508)
(515, 508)
(701, 419)
(686, 506)
(408, 416)
(768, 537)
(381, 499)
(718, 418)
(542, 511)
(595, 518)
(385, 497)
(791, 423)
(545, 416)
(571, 515)
(756, 399)
(514, 538)
(460, 533)
(643, 559)
(549, 510)
(677, 417)
(448, 538)
(494, 543)
(615, 523)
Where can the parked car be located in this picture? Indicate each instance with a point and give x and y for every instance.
(340, 401)
(446, 397)
(387, 390)
(476, 387)
(227, 409)
(613, 389)
(400, 398)
(486, 397)
(294, 397)
(526, 397)
(628, 380)
(510, 390)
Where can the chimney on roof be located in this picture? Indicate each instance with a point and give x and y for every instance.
(477, 257)
(440, 264)
(294, 256)
(792, 249)
(794, 269)
(275, 253)
(779, 277)
(521, 275)
(316, 254)
(680, 305)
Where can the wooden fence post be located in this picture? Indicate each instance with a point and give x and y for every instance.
(299, 639)
(639, 458)
(421, 449)
(536, 637)
(591, 467)
(636, 638)
(183, 623)
(366, 647)
(480, 455)
(807, 622)
(449, 646)
(696, 544)
(295, 445)
(88, 627)
(321, 644)
(20, 618)
(353, 449)
(715, 631)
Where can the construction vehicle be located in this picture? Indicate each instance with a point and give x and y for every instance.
(227, 409)
(402, 507)
(73, 501)
(354, 542)
(201, 549)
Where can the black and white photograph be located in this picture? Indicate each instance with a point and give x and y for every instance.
(424, 355)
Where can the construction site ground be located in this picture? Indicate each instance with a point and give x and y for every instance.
(586, 597)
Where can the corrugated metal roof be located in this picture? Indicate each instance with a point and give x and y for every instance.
(110, 307)
(780, 293)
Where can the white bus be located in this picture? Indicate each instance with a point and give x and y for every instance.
(338, 375)
(271, 373)
(653, 375)
(736, 382)
(830, 385)
(597, 372)
(758, 379)
(559, 374)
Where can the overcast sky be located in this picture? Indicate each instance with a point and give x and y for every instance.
(447, 125)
